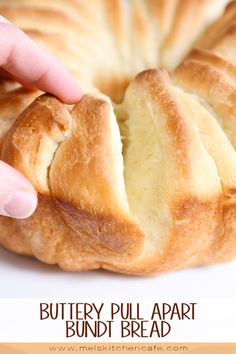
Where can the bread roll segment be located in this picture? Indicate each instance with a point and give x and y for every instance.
(90, 189)
(74, 161)
(187, 28)
(211, 81)
(172, 184)
(219, 28)
(31, 143)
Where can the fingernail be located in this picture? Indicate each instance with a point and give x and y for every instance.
(3, 19)
(20, 204)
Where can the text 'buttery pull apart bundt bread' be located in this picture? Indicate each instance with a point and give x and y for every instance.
(144, 185)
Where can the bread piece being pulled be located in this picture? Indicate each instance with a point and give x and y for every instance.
(75, 163)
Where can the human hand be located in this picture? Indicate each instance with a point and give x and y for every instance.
(27, 63)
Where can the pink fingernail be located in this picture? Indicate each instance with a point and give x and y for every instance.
(20, 204)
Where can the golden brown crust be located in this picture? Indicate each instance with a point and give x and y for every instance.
(189, 242)
(32, 141)
(187, 28)
(177, 206)
(217, 30)
(19, 98)
(195, 209)
(59, 160)
(15, 243)
(98, 213)
(213, 80)
(220, 37)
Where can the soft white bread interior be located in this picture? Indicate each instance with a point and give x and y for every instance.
(171, 182)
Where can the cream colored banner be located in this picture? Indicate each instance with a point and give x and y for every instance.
(127, 348)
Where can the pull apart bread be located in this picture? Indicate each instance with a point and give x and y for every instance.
(142, 186)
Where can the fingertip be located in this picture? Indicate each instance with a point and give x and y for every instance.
(67, 89)
(20, 204)
(18, 198)
(72, 97)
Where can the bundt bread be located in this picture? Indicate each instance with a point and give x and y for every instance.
(143, 181)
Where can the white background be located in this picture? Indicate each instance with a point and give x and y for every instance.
(27, 277)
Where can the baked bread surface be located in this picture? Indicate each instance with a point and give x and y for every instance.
(138, 177)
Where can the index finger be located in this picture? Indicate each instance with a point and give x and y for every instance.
(28, 62)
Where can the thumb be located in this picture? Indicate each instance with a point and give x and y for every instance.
(18, 198)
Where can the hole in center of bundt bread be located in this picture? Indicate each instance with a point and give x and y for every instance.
(113, 86)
